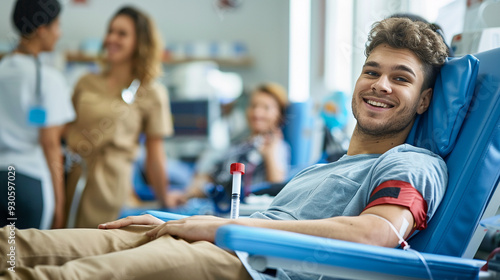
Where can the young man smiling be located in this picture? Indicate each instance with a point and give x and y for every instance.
(387, 95)
(381, 183)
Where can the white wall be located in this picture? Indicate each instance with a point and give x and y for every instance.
(482, 15)
(261, 24)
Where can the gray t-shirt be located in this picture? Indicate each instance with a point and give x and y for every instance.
(343, 188)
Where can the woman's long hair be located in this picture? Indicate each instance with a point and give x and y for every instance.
(147, 57)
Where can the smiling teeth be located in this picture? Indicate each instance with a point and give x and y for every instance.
(377, 104)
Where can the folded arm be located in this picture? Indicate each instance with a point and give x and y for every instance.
(367, 229)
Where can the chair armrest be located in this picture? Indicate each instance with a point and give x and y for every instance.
(272, 248)
(165, 216)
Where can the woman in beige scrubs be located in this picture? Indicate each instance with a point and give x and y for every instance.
(110, 120)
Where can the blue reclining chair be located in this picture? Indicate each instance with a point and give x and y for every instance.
(463, 126)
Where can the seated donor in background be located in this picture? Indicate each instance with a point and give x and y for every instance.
(379, 182)
(264, 152)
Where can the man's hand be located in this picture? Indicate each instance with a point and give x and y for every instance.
(132, 220)
(195, 228)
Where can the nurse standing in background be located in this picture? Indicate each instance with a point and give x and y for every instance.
(34, 106)
(110, 120)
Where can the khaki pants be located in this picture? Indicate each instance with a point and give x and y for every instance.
(123, 254)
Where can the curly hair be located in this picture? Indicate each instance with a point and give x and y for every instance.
(419, 37)
(148, 53)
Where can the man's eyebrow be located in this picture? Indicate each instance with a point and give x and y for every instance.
(399, 67)
(372, 64)
(404, 68)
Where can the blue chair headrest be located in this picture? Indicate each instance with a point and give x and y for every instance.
(437, 129)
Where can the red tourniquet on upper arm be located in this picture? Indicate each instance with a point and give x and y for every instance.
(404, 194)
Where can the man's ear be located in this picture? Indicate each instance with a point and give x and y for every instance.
(425, 101)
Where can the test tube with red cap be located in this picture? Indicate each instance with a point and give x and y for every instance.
(236, 170)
